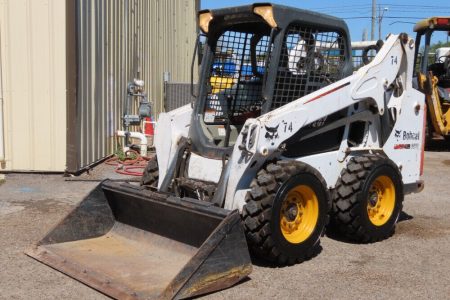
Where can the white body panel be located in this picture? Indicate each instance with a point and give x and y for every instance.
(442, 54)
(170, 128)
(202, 168)
(406, 140)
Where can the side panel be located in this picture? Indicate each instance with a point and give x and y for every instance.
(404, 145)
(170, 128)
(204, 168)
(327, 164)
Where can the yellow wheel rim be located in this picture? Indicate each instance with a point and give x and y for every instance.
(381, 202)
(299, 214)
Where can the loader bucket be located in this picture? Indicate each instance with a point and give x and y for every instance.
(132, 243)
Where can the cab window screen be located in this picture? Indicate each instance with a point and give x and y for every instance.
(235, 83)
(310, 59)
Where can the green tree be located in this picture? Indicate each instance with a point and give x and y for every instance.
(438, 45)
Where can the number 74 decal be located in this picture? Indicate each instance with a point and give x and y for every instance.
(393, 60)
(287, 126)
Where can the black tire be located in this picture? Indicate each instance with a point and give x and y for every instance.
(262, 212)
(350, 216)
(447, 139)
(150, 175)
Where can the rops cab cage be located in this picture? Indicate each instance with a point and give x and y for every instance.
(251, 67)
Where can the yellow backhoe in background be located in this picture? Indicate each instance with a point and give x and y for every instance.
(433, 76)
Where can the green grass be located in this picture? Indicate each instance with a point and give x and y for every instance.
(122, 156)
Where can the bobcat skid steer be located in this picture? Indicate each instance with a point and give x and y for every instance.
(283, 137)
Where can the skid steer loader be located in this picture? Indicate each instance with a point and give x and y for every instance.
(433, 76)
(263, 162)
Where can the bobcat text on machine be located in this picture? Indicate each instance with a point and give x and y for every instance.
(283, 140)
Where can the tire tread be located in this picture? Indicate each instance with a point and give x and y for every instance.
(150, 175)
(345, 218)
(257, 211)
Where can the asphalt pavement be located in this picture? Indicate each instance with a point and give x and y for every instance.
(414, 263)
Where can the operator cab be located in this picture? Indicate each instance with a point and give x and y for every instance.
(258, 58)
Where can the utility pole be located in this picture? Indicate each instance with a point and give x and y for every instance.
(380, 19)
(374, 16)
(364, 35)
(379, 22)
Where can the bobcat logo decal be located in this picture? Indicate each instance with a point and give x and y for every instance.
(272, 132)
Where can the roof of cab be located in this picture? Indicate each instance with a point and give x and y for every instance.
(432, 23)
(283, 16)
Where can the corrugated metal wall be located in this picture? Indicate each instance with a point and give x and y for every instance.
(32, 64)
(119, 41)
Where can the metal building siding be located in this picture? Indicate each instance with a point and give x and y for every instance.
(119, 41)
(32, 62)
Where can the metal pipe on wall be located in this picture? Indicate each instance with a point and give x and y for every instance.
(116, 42)
(136, 135)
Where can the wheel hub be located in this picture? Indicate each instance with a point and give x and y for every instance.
(299, 213)
(292, 212)
(381, 200)
(373, 198)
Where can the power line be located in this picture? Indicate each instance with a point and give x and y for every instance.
(416, 18)
(415, 10)
(399, 12)
(415, 6)
(368, 6)
(399, 8)
(342, 6)
(345, 12)
(402, 11)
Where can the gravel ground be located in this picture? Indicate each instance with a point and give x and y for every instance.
(414, 263)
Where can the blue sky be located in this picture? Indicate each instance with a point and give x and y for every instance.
(397, 18)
